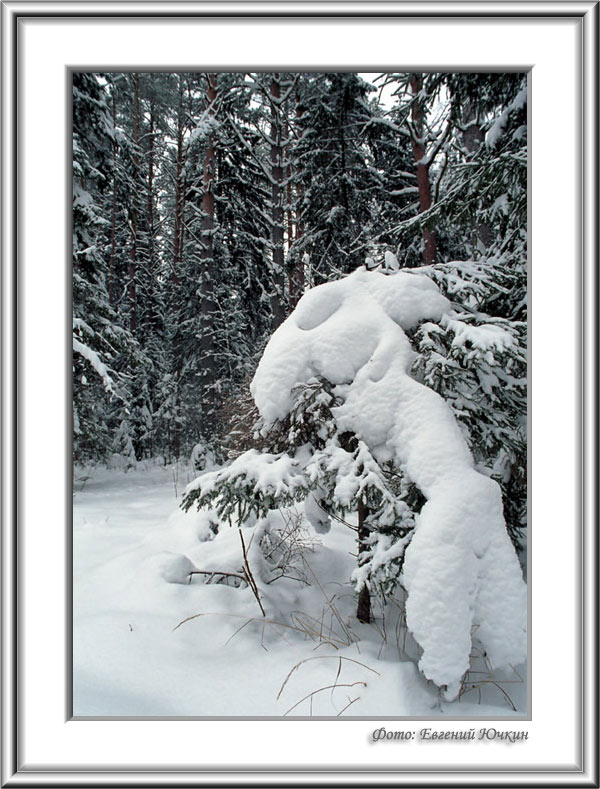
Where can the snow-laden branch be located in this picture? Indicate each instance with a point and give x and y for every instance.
(431, 155)
(97, 364)
(497, 128)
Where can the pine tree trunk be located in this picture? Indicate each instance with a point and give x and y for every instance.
(207, 306)
(134, 214)
(423, 182)
(472, 139)
(150, 201)
(363, 611)
(289, 199)
(179, 191)
(113, 210)
(208, 176)
(277, 217)
(296, 273)
(342, 138)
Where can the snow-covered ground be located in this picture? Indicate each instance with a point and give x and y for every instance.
(132, 552)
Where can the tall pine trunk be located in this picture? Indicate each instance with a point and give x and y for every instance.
(423, 182)
(179, 189)
(472, 139)
(207, 275)
(150, 200)
(134, 211)
(296, 280)
(113, 209)
(208, 177)
(277, 214)
(178, 241)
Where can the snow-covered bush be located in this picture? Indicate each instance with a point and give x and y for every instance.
(309, 460)
(284, 543)
(345, 421)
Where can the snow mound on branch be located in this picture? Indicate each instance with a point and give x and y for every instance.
(336, 329)
(460, 571)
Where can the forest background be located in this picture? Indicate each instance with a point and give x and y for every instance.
(204, 205)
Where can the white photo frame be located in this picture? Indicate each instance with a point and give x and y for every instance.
(558, 42)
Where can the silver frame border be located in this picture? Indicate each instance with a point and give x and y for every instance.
(584, 774)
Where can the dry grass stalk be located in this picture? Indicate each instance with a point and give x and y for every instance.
(324, 657)
(320, 690)
(470, 683)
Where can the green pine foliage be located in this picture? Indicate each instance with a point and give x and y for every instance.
(99, 339)
(478, 364)
(305, 455)
(340, 183)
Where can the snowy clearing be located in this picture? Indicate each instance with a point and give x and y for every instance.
(132, 551)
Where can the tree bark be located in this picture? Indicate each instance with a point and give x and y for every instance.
(472, 138)
(179, 189)
(363, 611)
(342, 138)
(289, 196)
(134, 213)
(296, 271)
(150, 200)
(277, 214)
(423, 182)
(113, 210)
(207, 303)
(208, 177)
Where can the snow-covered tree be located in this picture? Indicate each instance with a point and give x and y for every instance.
(99, 339)
(338, 183)
(345, 422)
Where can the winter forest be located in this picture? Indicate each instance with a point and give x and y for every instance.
(299, 394)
